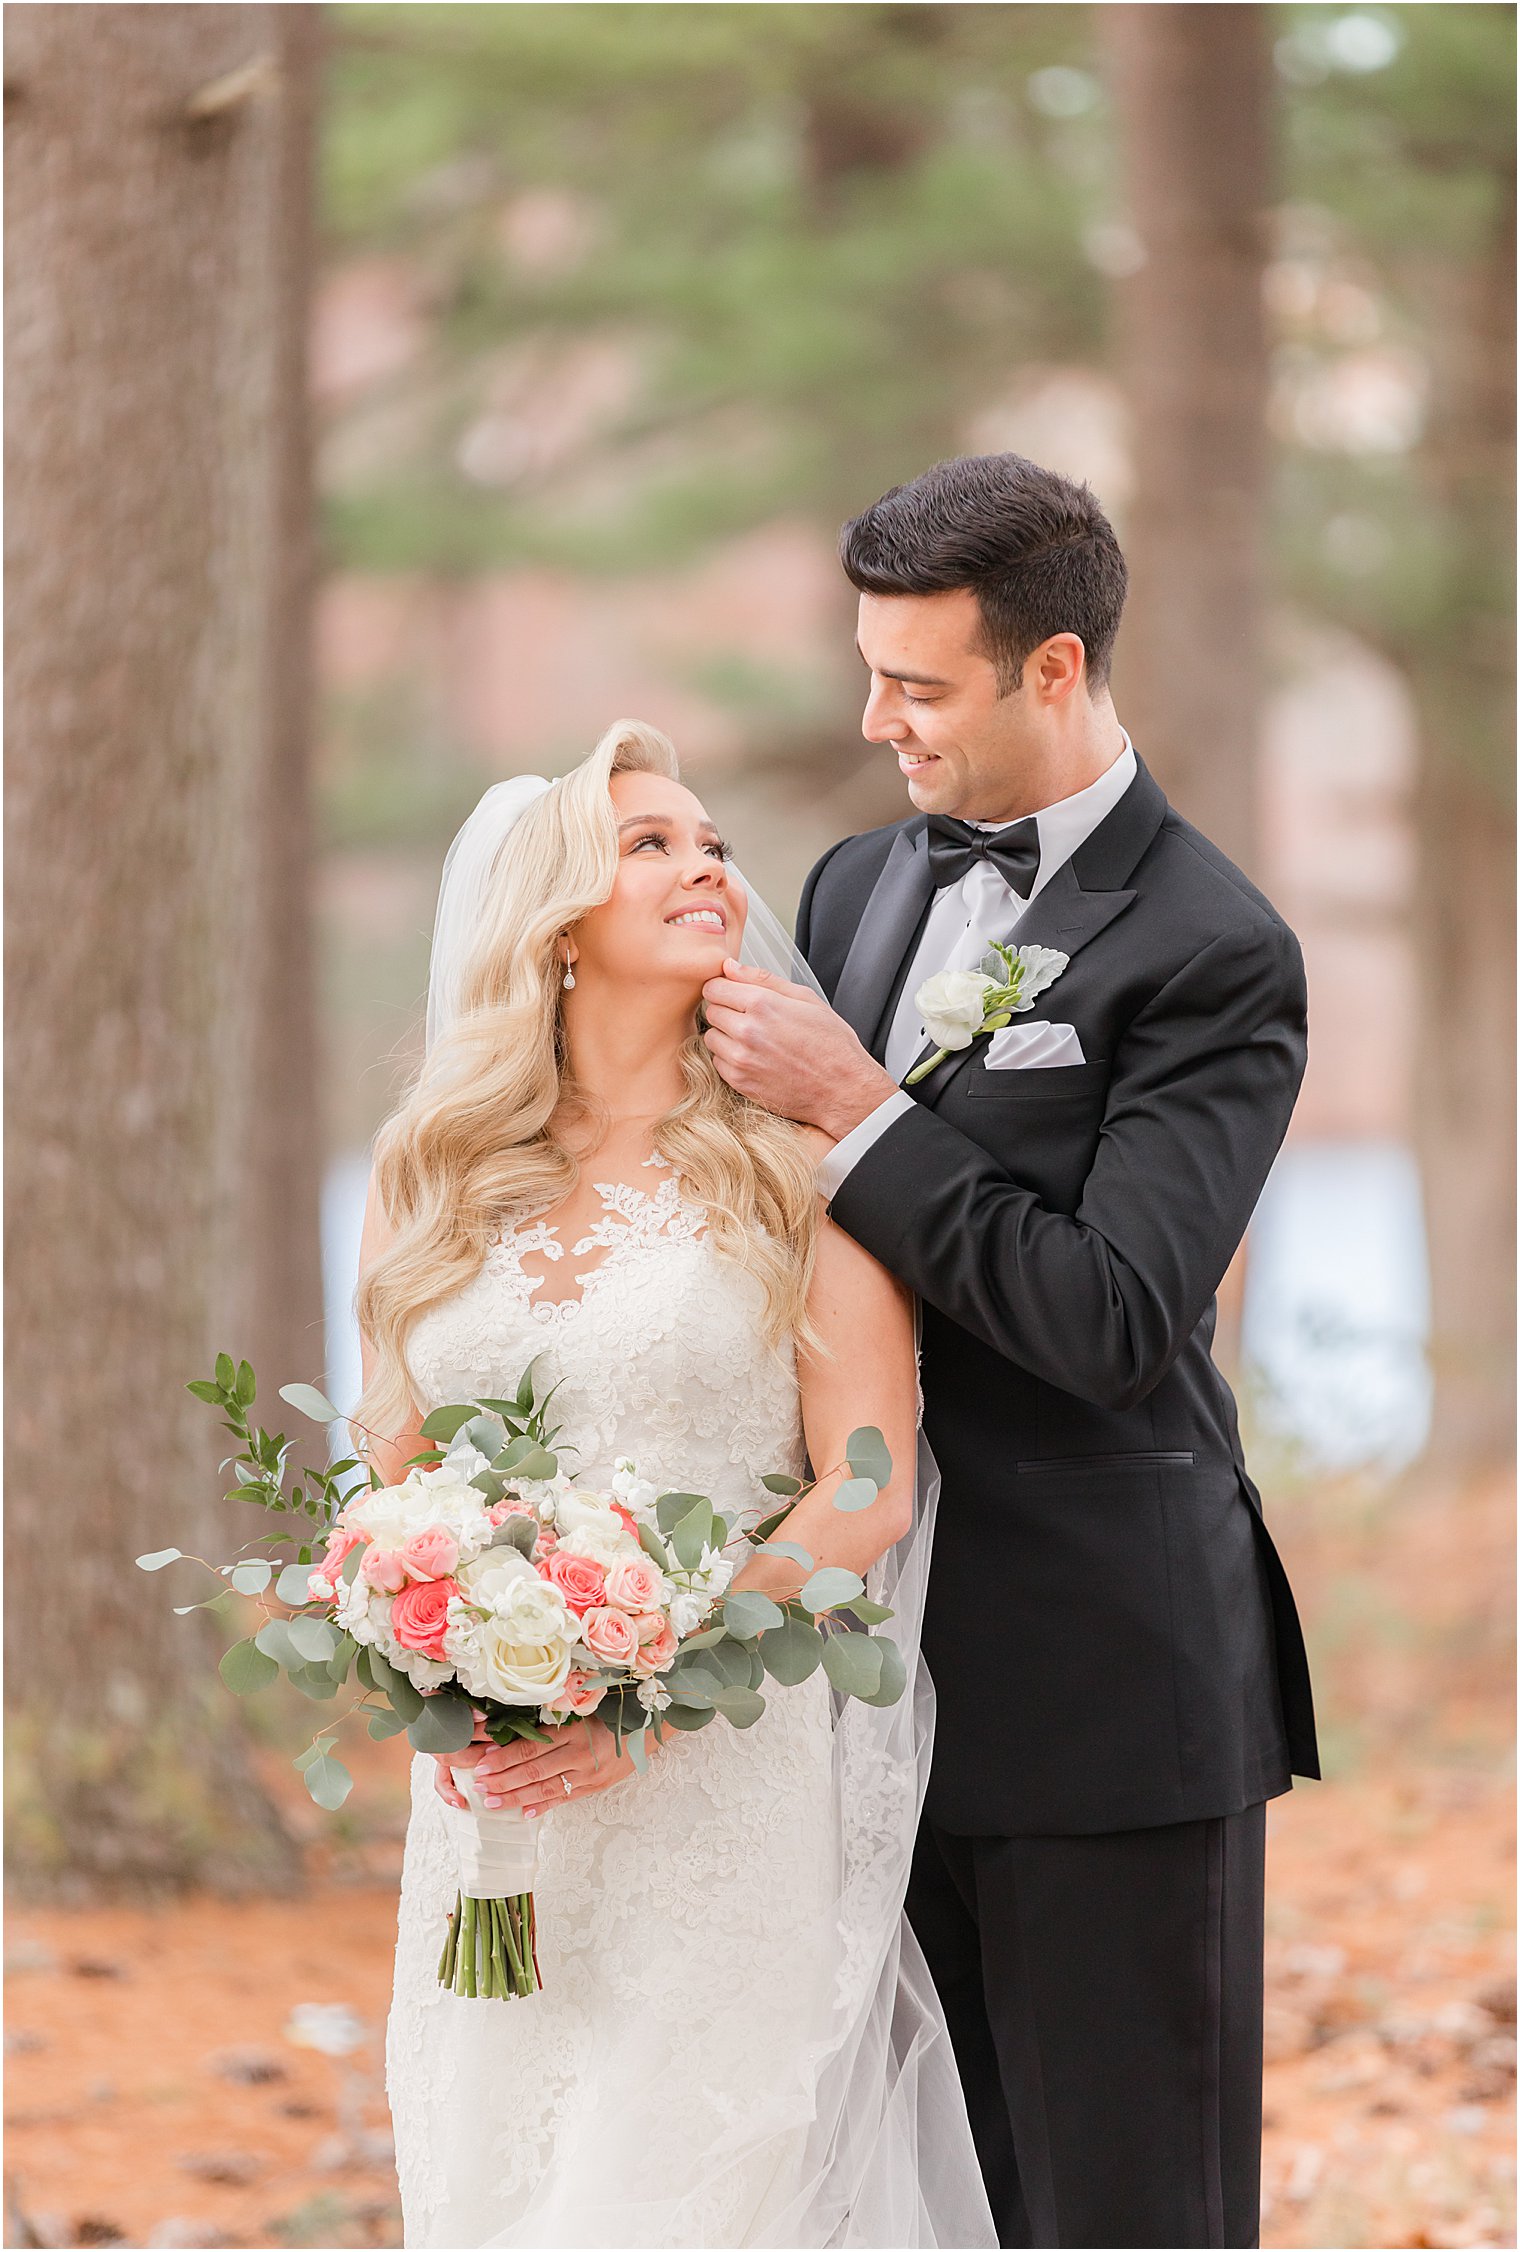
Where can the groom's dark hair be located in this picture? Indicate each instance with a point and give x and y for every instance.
(1036, 550)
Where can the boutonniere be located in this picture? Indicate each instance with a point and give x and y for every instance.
(958, 1006)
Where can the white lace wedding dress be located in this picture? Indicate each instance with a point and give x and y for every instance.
(723, 2003)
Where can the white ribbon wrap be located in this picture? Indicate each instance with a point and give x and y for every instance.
(497, 1847)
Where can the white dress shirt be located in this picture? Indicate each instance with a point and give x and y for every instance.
(964, 916)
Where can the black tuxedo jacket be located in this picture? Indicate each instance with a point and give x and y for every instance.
(1112, 1637)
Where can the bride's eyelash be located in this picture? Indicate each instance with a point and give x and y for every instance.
(661, 837)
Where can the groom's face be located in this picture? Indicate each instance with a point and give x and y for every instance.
(962, 747)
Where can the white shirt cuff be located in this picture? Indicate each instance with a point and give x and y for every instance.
(834, 1170)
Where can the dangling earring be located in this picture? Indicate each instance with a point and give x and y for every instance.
(569, 977)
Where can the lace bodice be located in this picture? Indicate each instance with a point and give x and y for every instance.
(660, 1350)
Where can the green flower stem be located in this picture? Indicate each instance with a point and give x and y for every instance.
(930, 1063)
(490, 1951)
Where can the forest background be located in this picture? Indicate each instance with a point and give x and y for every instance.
(397, 394)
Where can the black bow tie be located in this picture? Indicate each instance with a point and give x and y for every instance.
(954, 846)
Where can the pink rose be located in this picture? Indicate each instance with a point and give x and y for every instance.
(579, 1579)
(633, 1584)
(500, 1511)
(382, 1568)
(580, 1695)
(658, 1644)
(420, 1614)
(610, 1635)
(339, 1541)
(430, 1554)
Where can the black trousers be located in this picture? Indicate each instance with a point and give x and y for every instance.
(1104, 1996)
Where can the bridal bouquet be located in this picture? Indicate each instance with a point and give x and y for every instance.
(490, 1581)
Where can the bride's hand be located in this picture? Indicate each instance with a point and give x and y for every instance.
(578, 1760)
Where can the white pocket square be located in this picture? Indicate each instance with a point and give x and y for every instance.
(1031, 1047)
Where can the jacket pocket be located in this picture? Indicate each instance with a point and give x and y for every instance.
(1152, 1461)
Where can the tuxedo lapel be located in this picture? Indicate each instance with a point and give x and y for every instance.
(1082, 898)
(885, 932)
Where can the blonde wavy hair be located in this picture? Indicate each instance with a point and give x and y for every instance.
(477, 1136)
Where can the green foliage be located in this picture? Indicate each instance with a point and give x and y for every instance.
(809, 239)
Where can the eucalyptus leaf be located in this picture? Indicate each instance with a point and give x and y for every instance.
(687, 1717)
(791, 1652)
(313, 1639)
(307, 1400)
(833, 1584)
(273, 1638)
(707, 1636)
(654, 1547)
(776, 1482)
(692, 1534)
(740, 1707)
(539, 1464)
(348, 1570)
(894, 1673)
(637, 1752)
(158, 1558)
(747, 1613)
(252, 1577)
(490, 1485)
(313, 1681)
(868, 1612)
(787, 1548)
(290, 1587)
(407, 1699)
(670, 1508)
(867, 1454)
(245, 1667)
(329, 1782)
(853, 1663)
(445, 1724)
(383, 1724)
(856, 1493)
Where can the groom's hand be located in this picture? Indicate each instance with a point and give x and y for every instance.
(783, 1046)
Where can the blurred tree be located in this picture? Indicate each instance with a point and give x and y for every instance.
(1194, 92)
(1399, 265)
(780, 259)
(157, 1001)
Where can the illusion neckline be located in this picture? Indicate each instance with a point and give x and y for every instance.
(632, 1219)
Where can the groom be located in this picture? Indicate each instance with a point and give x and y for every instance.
(1120, 1674)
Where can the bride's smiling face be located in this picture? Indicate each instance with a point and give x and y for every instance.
(676, 909)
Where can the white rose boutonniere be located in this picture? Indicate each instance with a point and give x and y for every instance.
(958, 1006)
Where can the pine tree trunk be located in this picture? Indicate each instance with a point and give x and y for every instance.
(1192, 88)
(155, 909)
(1463, 679)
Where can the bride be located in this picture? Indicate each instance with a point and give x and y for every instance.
(736, 2042)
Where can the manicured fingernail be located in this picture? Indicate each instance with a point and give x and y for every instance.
(530, 1813)
(492, 1801)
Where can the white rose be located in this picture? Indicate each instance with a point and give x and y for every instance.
(486, 1578)
(652, 1696)
(951, 1005)
(603, 1542)
(510, 1660)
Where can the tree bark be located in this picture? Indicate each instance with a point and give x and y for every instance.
(1463, 678)
(157, 995)
(1192, 88)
